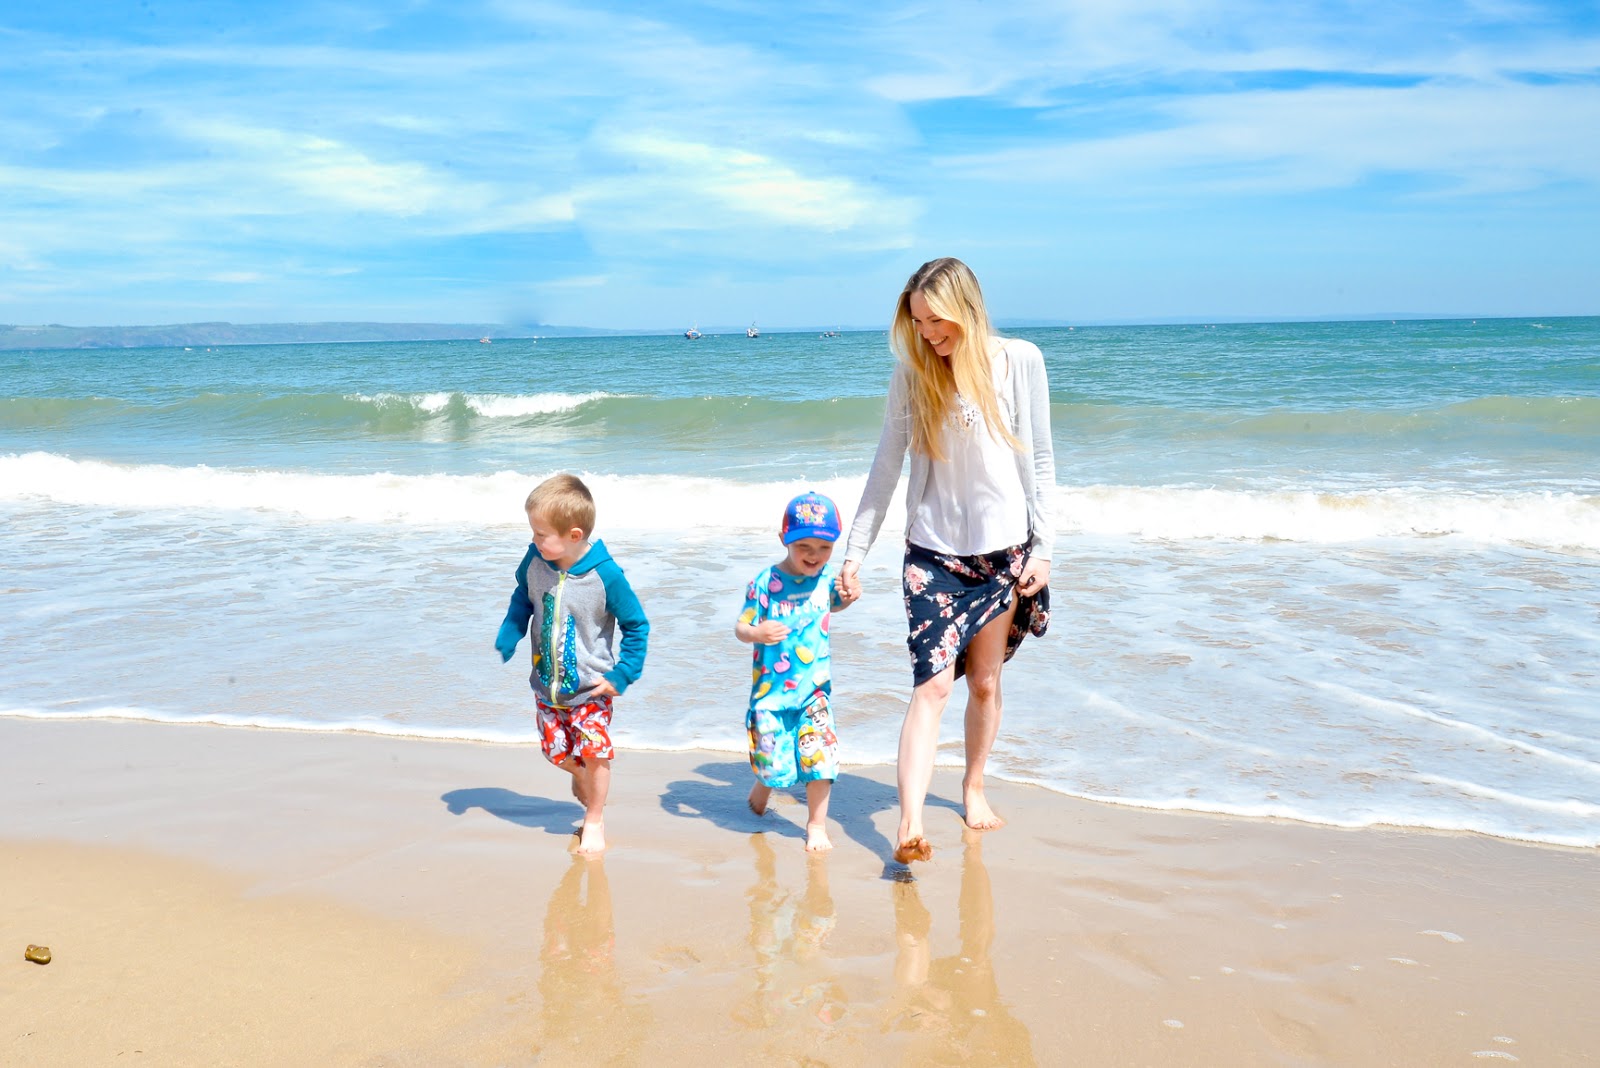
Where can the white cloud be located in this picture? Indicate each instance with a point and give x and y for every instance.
(1465, 138)
(748, 184)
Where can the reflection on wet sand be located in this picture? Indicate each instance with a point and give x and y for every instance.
(952, 1006)
(796, 991)
(587, 1015)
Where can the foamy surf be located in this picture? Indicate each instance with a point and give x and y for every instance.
(1561, 521)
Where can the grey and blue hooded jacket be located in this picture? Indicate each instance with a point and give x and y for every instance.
(575, 616)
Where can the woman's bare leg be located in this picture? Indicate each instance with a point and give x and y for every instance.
(986, 655)
(919, 742)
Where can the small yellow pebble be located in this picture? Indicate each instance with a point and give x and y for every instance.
(37, 954)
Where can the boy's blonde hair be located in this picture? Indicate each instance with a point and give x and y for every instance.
(952, 293)
(564, 502)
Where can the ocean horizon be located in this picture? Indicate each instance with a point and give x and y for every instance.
(1339, 572)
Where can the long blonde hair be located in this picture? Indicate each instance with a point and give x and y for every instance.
(952, 293)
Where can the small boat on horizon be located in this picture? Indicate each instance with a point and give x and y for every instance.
(693, 333)
(751, 331)
(484, 341)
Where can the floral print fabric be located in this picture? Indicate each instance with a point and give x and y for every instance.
(950, 598)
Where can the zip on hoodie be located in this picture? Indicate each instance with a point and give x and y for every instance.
(558, 641)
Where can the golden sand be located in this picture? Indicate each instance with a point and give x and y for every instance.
(217, 896)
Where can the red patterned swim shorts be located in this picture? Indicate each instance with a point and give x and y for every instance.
(582, 732)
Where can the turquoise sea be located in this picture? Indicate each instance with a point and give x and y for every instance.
(1347, 573)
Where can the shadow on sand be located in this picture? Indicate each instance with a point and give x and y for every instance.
(719, 796)
(541, 813)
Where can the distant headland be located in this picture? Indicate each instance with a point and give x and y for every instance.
(57, 336)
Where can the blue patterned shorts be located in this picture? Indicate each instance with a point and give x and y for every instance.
(790, 745)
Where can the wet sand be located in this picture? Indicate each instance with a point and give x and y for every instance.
(227, 896)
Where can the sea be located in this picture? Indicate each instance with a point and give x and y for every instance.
(1342, 573)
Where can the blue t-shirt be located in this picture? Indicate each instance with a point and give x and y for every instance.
(790, 673)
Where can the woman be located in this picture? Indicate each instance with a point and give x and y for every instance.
(974, 410)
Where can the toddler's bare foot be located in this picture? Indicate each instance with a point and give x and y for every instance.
(978, 814)
(592, 839)
(758, 799)
(817, 840)
(914, 848)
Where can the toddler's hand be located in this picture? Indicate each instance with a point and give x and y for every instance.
(505, 642)
(848, 583)
(603, 688)
(770, 632)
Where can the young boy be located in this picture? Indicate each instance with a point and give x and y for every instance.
(785, 617)
(577, 598)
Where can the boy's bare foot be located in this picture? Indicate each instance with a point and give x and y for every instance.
(592, 838)
(979, 816)
(817, 840)
(757, 800)
(913, 848)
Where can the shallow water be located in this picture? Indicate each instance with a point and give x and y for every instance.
(1340, 572)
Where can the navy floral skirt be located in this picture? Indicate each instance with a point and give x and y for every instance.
(950, 598)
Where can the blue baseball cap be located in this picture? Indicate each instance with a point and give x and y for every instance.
(810, 515)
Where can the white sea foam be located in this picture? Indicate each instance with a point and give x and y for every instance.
(488, 405)
(1555, 520)
(655, 503)
(1569, 806)
(275, 721)
(688, 503)
(1477, 732)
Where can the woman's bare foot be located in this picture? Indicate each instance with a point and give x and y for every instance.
(757, 800)
(817, 840)
(979, 816)
(592, 838)
(913, 848)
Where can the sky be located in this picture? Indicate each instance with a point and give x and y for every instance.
(653, 166)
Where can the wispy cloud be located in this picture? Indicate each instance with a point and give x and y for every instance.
(714, 186)
(1461, 139)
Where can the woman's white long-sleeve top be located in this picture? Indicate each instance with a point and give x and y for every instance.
(1030, 424)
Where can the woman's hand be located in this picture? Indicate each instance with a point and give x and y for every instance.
(1035, 577)
(849, 583)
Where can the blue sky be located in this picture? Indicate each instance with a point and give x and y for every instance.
(640, 166)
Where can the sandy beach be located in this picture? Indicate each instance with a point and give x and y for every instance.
(227, 896)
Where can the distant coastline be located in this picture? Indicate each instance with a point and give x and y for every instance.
(58, 336)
